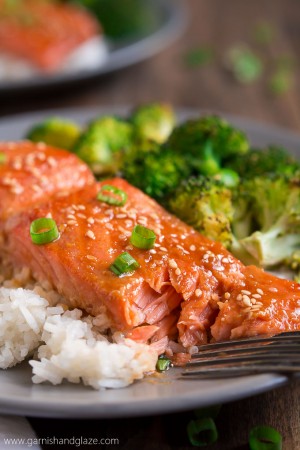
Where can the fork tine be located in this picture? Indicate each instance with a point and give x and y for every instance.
(279, 353)
(236, 371)
(283, 337)
(257, 359)
(281, 348)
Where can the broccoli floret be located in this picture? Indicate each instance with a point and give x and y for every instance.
(103, 144)
(154, 169)
(293, 263)
(55, 131)
(277, 210)
(272, 160)
(205, 204)
(153, 121)
(207, 143)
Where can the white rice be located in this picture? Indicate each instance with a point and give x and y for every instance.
(89, 56)
(74, 348)
(22, 317)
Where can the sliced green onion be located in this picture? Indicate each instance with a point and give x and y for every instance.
(142, 237)
(124, 263)
(112, 195)
(2, 158)
(43, 230)
(163, 363)
(265, 438)
(202, 432)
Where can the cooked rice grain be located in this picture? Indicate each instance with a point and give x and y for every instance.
(22, 317)
(75, 351)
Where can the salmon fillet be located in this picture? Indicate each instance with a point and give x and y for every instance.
(31, 173)
(44, 32)
(180, 280)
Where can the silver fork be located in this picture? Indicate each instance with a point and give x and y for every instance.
(279, 353)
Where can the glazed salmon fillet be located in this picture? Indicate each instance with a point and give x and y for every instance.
(43, 32)
(263, 304)
(180, 280)
(31, 173)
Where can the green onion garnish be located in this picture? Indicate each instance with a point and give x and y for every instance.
(265, 438)
(163, 363)
(124, 263)
(112, 195)
(2, 158)
(202, 432)
(43, 230)
(142, 237)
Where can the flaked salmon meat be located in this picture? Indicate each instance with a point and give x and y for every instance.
(188, 290)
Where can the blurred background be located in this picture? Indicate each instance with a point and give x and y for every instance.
(235, 56)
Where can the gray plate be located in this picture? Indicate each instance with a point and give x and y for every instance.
(171, 21)
(150, 396)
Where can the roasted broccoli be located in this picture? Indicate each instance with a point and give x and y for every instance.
(55, 131)
(205, 204)
(276, 207)
(103, 144)
(293, 263)
(272, 160)
(154, 169)
(154, 121)
(207, 143)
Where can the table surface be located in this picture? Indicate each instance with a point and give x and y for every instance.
(217, 24)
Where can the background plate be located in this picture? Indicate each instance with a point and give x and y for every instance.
(154, 395)
(171, 20)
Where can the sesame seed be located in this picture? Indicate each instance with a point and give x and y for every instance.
(256, 295)
(81, 207)
(227, 295)
(260, 291)
(246, 300)
(198, 292)
(243, 291)
(91, 220)
(129, 247)
(173, 264)
(81, 216)
(239, 297)
(91, 257)
(163, 249)
(152, 251)
(192, 248)
(124, 231)
(109, 226)
(225, 260)
(215, 297)
(51, 161)
(71, 216)
(273, 289)
(90, 234)
(177, 271)
(121, 216)
(71, 222)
